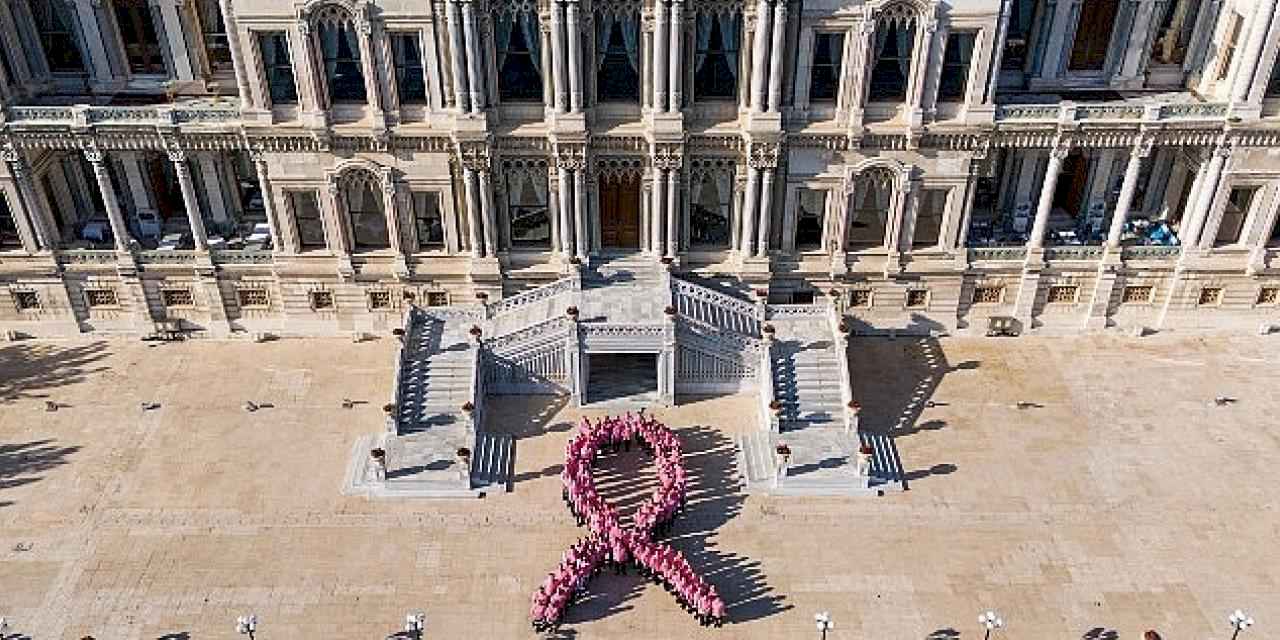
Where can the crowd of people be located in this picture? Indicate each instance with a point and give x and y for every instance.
(609, 544)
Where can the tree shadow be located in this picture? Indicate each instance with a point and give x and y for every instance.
(21, 464)
(31, 371)
(713, 499)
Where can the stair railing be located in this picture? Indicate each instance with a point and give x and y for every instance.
(397, 389)
(840, 336)
(768, 421)
(689, 300)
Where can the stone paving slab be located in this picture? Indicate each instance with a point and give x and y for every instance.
(1124, 499)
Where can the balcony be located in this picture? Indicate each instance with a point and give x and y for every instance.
(208, 112)
(1135, 111)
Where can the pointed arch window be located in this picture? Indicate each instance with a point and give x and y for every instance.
(891, 68)
(715, 60)
(519, 53)
(711, 205)
(811, 208)
(869, 209)
(340, 55)
(526, 187)
(617, 57)
(366, 215)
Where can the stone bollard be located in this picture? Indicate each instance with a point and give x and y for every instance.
(463, 457)
(864, 465)
(377, 469)
(783, 459)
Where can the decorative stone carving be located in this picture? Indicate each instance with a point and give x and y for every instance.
(763, 155)
(473, 155)
(668, 157)
(571, 156)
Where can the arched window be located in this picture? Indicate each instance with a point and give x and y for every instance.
(617, 57)
(366, 215)
(340, 54)
(519, 50)
(526, 188)
(711, 204)
(715, 60)
(892, 53)
(869, 210)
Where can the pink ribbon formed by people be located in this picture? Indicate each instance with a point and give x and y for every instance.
(609, 540)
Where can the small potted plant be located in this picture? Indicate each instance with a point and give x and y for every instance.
(468, 408)
(572, 312)
(397, 332)
(575, 260)
(854, 407)
(845, 328)
(667, 260)
(762, 293)
(482, 296)
(378, 455)
(670, 310)
(476, 331)
(389, 408)
(768, 330)
(775, 407)
(463, 455)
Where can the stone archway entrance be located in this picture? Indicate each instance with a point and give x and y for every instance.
(620, 212)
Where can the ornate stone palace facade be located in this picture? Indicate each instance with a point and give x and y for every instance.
(308, 166)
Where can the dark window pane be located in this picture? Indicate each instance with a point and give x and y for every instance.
(1233, 216)
(138, 31)
(709, 210)
(1273, 87)
(9, 238)
(368, 218)
(928, 226)
(278, 67)
(410, 79)
(426, 216)
(520, 57)
(1022, 13)
(1093, 35)
(955, 67)
(824, 82)
(811, 210)
(715, 72)
(54, 24)
(343, 71)
(1174, 34)
(306, 216)
(527, 206)
(893, 62)
(618, 68)
(215, 34)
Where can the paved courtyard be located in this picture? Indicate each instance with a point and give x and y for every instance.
(1122, 499)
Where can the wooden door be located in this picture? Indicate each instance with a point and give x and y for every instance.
(620, 213)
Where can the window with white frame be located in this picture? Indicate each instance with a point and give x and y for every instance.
(54, 23)
(277, 67)
(710, 207)
(427, 220)
(715, 59)
(526, 188)
(136, 22)
(340, 55)
(930, 210)
(214, 31)
(519, 51)
(305, 206)
(617, 56)
(824, 74)
(811, 207)
(869, 209)
(954, 80)
(411, 81)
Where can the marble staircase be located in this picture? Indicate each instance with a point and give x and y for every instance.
(435, 377)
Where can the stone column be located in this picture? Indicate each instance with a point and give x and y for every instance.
(656, 215)
(547, 62)
(919, 66)
(1056, 156)
(558, 62)
(1250, 53)
(179, 159)
(118, 228)
(475, 70)
(1205, 196)
(473, 212)
(268, 202)
(749, 213)
(676, 65)
(580, 212)
(237, 58)
(176, 39)
(486, 212)
(759, 55)
(138, 188)
(99, 63)
(661, 48)
(391, 206)
(859, 70)
(766, 212)
(575, 56)
(566, 211)
(43, 234)
(212, 186)
(673, 212)
(997, 53)
(461, 95)
(311, 95)
(1127, 188)
(777, 55)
